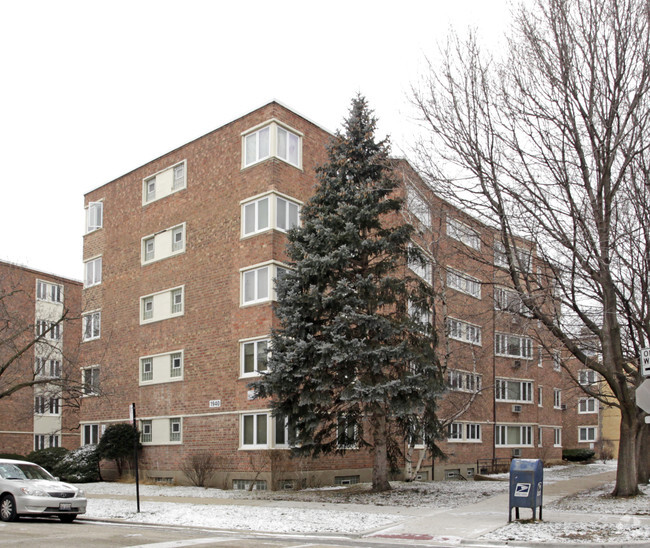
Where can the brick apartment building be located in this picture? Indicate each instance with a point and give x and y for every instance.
(32, 304)
(188, 246)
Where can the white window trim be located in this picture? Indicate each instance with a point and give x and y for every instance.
(593, 429)
(272, 124)
(146, 179)
(467, 278)
(521, 382)
(255, 413)
(557, 398)
(557, 434)
(463, 378)
(153, 369)
(464, 333)
(179, 421)
(169, 315)
(463, 233)
(272, 274)
(521, 427)
(93, 260)
(586, 402)
(463, 425)
(92, 426)
(423, 272)
(156, 245)
(273, 196)
(98, 203)
(91, 315)
(94, 391)
(519, 356)
(255, 340)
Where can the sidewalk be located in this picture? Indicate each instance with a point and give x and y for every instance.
(429, 526)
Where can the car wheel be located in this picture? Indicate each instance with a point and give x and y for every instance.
(67, 518)
(8, 508)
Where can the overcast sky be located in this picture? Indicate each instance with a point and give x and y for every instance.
(91, 90)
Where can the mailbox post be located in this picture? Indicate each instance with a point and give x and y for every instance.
(526, 486)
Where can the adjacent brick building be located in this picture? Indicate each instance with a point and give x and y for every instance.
(178, 319)
(40, 325)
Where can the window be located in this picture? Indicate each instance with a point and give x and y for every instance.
(147, 308)
(39, 405)
(94, 216)
(47, 368)
(177, 301)
(254, 355)
(418, 207)
(523, 261)
(540, 359)
(464, 283)
(257, 146)
(284, 436)
(179, 177)
(49, 292)
(146, 365)
(146, 431)
(162, 305)
(254, 430)
(463, 331)
(245, 485)
(269, 211)
(464, 381)
(513, 346)
(256, 283)
(54, 406)
(93, 272)
(473, 432)
(92, 326)
(163, 183)
(149, 249)
(587, 405)
(53, 440)
(420, 313)
(287, 214)
(587, 434)
(161, 368)
(500, 257)
(48, 330)
(557, 437)
(463, 233)
(557, 360)
(272, 140)
(513, 436)
(557, 398)
(587, 377)
(539, 437)
(346, 433)
(509, 300)
(39, 442)
(175, 429)
(539, 397)
(288, 146)
(90, 380)
(513, 391)
(455, 431)
(90, 434)
(176, 366)
(178, 239)
(422, 267)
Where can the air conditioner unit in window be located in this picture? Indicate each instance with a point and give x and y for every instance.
(516, 364)
(516, 453)
(516, 408)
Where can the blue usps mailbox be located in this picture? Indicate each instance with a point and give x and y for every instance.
(526, 486)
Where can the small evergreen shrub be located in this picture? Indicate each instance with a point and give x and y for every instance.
(578, 455)
(48, 458)
(80, 465)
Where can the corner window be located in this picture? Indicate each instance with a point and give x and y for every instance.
(257, 283)
(272, 140)
(92, 326)
(254, 355)
(269, 212)
(93, 272)
(94, 216)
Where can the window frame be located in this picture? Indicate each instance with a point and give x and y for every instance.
(255, 342)
(525, 434)
(502, 390)
(465, 333)
(90, 387)
(94, 216)
(154, 178)
(273, 268)
(92, 325)
(272, 147)
(256, 418)
(557, 398)
(463, 233)
(90, 430)
(524, 343)
(251, 207)
(96, 267)
(462, 282)
(175, 434)
(460, 380)
(587, 430)
(584, 405)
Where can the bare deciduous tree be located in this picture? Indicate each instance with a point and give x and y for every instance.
(551, 144)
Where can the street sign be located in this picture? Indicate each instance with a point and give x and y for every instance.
(643, 395)
(645, 362)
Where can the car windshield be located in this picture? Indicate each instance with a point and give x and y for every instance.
(23, 471)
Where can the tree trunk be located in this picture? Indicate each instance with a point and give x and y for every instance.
(380, 453)
(626, 473)
(643, 454)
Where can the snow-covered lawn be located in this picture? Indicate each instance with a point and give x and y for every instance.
(312, 511)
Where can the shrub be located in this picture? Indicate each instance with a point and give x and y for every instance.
(48, 458)
(578, 455)
(117, 444)
(200, 467)
(80, 465)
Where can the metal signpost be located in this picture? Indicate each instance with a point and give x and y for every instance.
(135, 453)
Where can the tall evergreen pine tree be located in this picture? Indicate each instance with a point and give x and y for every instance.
(354, 363)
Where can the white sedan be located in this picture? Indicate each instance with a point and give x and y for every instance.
(26, 489)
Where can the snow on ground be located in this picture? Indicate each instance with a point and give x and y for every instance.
(248, 511)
